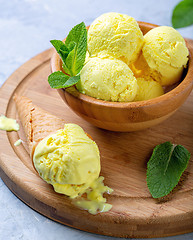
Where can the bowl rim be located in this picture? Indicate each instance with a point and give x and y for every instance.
(154, 101)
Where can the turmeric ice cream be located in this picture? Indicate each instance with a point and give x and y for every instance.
(156, 59)
(68, 159)
(148, 89)
(107, 79)
(64, 156)
(115, 35)
(8, 124)
(166, 54)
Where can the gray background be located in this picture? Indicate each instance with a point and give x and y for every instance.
(26, 26)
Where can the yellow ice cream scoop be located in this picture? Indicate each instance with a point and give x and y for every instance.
(117, 35)
(148, 89)
(64, 156)
(68, 156)
(107, 79)
(166, 53)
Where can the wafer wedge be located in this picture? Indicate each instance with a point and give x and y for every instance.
(37, 123)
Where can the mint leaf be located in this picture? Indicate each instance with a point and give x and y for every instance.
(76, 42)
(61, 49)
(57, 79)
(60, 80)
(70, 62)
(183, 14)
(74, 34)
(71, 81)
(59, 45)
(165, 168)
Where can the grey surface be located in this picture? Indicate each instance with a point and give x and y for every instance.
(26, 26)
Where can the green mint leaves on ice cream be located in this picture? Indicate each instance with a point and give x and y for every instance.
(165, 168)
(73, 54)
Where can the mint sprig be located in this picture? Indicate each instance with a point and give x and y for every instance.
(183, 14)
(165, 168)
(72, 54)
(76, 42)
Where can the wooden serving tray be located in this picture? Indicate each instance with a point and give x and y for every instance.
(123, 158)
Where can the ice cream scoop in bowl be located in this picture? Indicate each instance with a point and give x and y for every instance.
(128, 116)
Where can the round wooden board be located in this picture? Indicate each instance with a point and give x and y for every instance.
(123, 158)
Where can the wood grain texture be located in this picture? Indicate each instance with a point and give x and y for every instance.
(123, 158)
(128, 116)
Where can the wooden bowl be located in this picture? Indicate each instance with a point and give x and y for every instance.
(128, 116)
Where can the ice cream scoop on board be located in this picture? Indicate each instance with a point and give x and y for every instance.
(64, 156)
